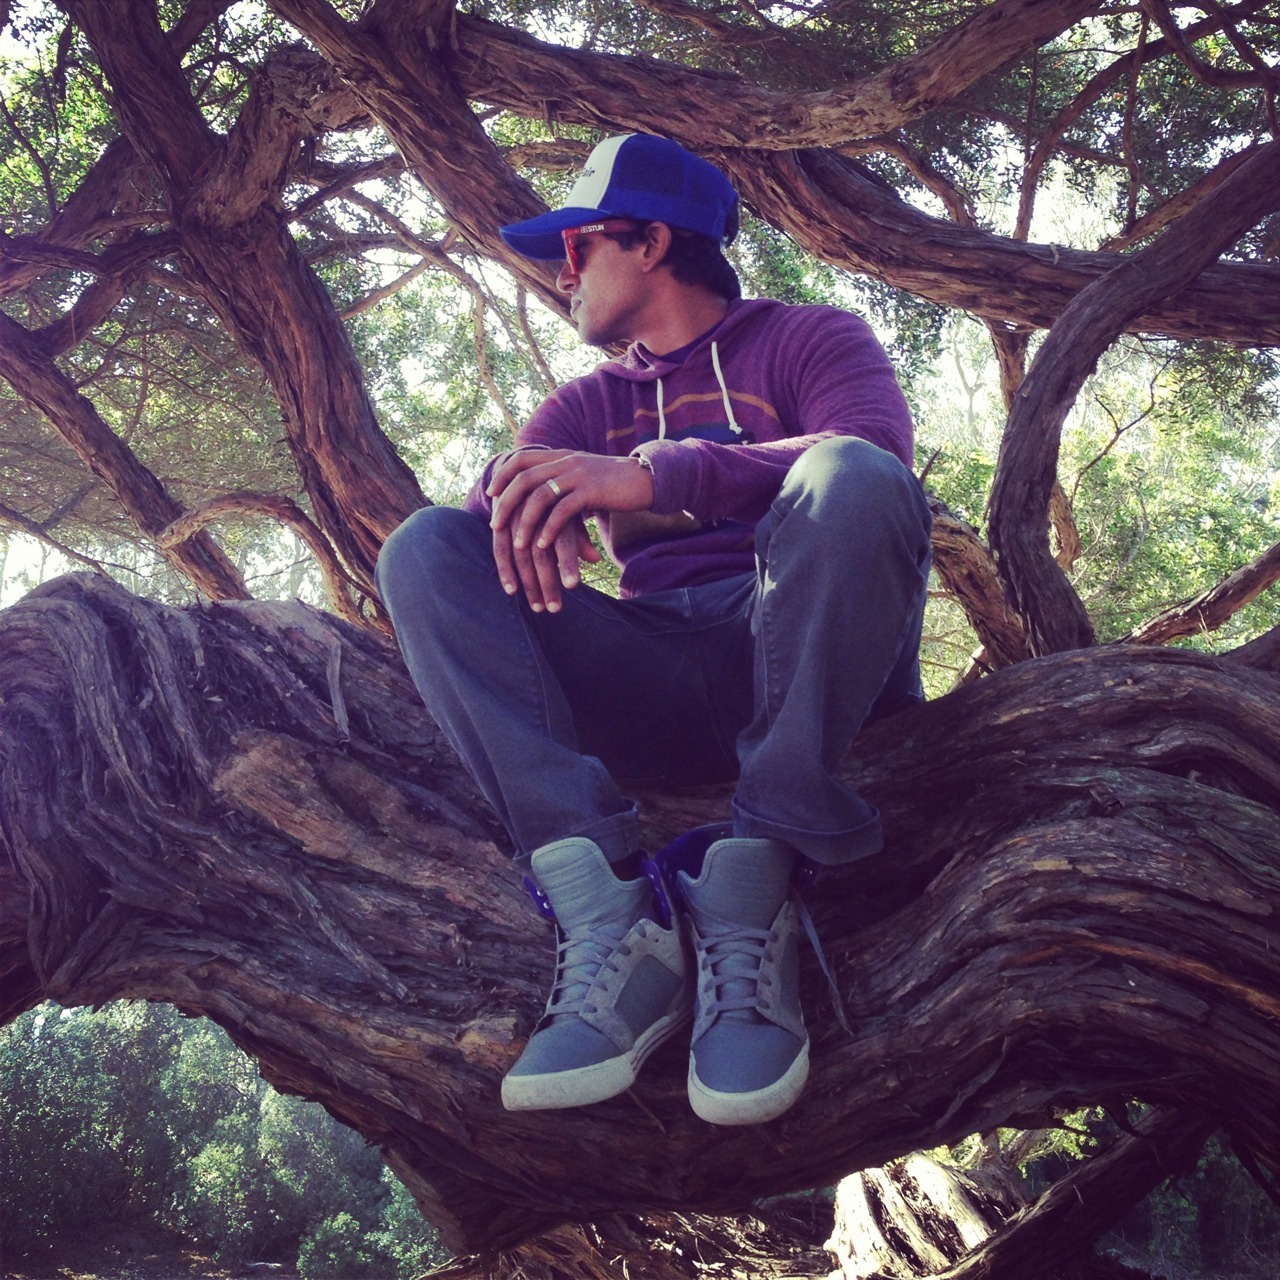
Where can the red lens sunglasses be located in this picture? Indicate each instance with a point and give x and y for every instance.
(574, 236)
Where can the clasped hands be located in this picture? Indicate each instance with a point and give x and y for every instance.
(541, 498)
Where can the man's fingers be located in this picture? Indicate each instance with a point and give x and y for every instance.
(547, 568)
(531, 579)
(503, 558)
(518, 463)
(527, 568)
(528, 523)
(544, 573)
(569, 553)
(563, 514)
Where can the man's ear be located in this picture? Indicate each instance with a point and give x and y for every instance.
(657, 240)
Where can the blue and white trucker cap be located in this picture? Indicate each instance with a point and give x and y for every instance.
(636, 175)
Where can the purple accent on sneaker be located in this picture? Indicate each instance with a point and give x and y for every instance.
(685, 853)
(540, 899)
(661, 891)
(805, 873)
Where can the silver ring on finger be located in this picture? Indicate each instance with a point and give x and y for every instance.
(555, 488)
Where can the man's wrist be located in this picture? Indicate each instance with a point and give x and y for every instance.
(645, 465)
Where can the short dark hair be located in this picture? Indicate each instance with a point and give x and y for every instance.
(693, 258)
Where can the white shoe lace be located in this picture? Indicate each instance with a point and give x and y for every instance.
(578, 963)
(736, 959)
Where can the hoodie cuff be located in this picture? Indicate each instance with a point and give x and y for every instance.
(675, 474)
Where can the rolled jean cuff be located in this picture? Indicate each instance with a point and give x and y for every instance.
(617, 837)
(831, 848)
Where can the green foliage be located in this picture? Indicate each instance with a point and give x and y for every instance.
(1171, 460)
(1215, 1219)
(334, 1250)
(136, 1115)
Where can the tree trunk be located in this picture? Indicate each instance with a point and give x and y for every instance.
(913, 1218)
(224, 202)
(1089, 1201)
(241, 809)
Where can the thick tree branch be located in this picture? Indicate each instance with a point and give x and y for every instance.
(38, 380)
(1027, 465)
(242, 810)
(1176, 206)
(843, 217)
(24, 258)
(969, 573)
(1210, 609)
(1263, 652)
(270, 300)
(338, 583)
(666, 98)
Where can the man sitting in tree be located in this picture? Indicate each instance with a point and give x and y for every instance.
(747, 464)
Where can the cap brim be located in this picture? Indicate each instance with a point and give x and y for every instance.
(540, 237)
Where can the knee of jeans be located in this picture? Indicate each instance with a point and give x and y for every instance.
(850, 479)
(429, 546)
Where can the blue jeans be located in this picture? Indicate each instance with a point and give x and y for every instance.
(765, 677)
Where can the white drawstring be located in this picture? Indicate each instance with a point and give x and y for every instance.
(724, 390)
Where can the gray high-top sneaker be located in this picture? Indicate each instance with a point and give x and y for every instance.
(750, 1054)
(622, 984)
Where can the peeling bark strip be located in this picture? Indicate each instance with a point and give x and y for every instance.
(242, 810)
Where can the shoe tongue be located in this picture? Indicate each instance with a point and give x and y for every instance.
(582, 889)
(743, 882)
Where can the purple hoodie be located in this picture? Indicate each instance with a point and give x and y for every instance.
(720, 423)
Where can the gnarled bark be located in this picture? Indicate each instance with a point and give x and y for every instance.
(239, 809)
(243, 810)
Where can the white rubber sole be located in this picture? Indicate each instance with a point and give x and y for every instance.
(755, 1107)
(581, 1086)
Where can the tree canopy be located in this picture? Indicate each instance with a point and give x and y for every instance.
(255, 309)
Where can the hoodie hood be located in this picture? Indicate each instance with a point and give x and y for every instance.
(639, 364)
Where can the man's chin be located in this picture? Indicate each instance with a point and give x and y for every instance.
(599, 337)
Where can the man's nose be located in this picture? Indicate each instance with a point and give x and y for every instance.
(566, 278)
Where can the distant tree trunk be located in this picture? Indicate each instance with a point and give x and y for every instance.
(241, 809)
(920, 1217)
(913, 1218)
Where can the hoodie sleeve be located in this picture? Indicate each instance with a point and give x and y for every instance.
(555, 424)
(835, 380)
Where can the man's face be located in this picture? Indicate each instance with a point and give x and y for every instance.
(608, 292)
